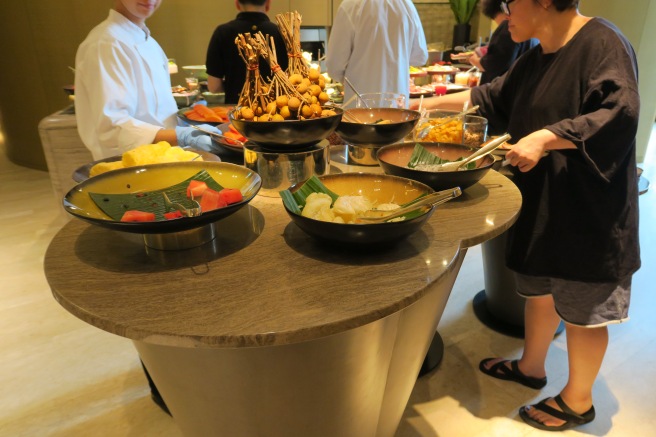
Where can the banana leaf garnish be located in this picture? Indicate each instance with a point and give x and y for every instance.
(296, 201)
(421, 156)
(115, 205)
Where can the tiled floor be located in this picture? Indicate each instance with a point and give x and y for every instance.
(62, 377)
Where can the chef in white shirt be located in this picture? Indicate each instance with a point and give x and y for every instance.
(123, 95)
(373, 43)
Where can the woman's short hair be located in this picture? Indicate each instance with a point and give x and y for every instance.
(491, 8)
(562, 5)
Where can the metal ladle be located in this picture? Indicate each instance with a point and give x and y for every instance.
(348, 82)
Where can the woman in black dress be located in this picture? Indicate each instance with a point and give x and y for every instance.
(571, 105)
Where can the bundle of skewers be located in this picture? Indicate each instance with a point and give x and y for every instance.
(289, 25)
(301, 75)
(250, 53)
(280, 99)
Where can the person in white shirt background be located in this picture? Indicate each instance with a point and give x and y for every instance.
(123, 95)
(373, 43)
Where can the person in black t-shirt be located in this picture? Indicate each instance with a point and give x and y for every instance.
(226, 70)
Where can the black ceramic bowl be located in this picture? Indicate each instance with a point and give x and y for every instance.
(378, 188)
(146, 178)
(402, 123)
(287, 134)
(394, 161)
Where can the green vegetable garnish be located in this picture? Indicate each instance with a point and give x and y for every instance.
(421, 156)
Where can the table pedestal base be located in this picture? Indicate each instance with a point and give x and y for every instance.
(433, 356)
(356, 383)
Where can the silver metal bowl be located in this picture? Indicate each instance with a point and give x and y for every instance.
(281, 170)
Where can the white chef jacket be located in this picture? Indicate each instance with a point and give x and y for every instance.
(122, 88)
(373, 43)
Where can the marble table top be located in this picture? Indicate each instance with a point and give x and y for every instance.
(263, 281)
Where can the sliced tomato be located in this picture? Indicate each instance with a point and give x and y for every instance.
(134, 215)
(211, 200)
(172, 215)
(231, 195)
(196, 188)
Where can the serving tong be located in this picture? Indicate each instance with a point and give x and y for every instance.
(486, 149)
(433, 199)
(186, 212)
(217, 135)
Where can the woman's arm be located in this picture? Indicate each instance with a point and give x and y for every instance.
(214, 84)
(526, 153)
(453, 101)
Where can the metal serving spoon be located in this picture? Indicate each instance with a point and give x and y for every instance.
(432, 199)
(486, 149)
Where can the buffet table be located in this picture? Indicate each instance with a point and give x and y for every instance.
(265, 331)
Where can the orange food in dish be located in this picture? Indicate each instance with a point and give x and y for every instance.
(207, 113)
(450, 132)
(193, 115)
(234, 135)
(216, 114)
(222, 112)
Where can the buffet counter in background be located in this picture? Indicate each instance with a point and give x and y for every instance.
(64, 151)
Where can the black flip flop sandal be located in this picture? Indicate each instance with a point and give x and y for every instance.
(572, 419)
(501, 371)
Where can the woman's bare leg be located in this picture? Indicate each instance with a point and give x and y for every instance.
(586, 348)
(540, 324)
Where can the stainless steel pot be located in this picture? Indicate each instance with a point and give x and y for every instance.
(363, 155)
(280, 170)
